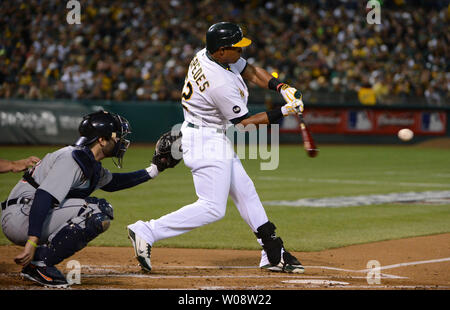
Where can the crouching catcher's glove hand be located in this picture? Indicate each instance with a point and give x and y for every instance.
(168, 152)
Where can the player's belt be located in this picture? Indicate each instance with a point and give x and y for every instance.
(198, 127)
(15, 201)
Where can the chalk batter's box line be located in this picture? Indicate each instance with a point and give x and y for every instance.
(102, 268)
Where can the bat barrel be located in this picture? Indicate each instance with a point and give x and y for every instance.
(308, 142)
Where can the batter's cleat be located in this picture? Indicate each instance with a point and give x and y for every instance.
(142, 250)
(47, 276)
(288, 264)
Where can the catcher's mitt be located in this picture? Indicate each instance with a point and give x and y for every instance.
(168, 152)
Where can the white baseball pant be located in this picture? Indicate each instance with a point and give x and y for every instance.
(217, 172)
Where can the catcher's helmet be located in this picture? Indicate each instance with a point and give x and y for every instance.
(225, 34)
(106, 125)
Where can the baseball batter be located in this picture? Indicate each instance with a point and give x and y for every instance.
(50, 211)
(215, 94)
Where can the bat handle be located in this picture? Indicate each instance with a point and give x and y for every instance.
(298, 95)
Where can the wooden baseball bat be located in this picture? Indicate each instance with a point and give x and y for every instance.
(308, 142)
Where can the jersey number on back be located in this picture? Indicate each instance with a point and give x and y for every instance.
(187, 91)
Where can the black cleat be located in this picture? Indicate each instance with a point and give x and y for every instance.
(47, 276)
(289, 264)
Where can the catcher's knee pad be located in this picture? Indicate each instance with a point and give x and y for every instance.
(76, 234)
(102, 205)
(96, 218)
(271, 243)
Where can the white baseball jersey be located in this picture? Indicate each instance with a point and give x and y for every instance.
(214, 94)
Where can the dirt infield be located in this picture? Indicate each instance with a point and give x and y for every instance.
(440, 143)
(413, 263)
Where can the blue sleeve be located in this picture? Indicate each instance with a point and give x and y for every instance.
(121, 181)
(42, 203)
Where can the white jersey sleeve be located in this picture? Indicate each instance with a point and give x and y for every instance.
(228, 99)
(238, 66)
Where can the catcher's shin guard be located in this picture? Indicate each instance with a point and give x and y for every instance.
(75, 235)
(271, 243)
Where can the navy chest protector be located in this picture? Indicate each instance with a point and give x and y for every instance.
(91, 170)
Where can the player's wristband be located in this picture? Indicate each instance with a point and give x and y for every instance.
(32, 243)
(275, 84)
(274, 115)
(152, 171)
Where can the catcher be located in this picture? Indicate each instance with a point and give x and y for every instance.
(51, 211)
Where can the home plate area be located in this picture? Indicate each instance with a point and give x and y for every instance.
(412, 263)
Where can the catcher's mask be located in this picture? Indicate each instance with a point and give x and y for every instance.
(106, 125)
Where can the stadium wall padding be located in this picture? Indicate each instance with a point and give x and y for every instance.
(56, 122)
(40, 122)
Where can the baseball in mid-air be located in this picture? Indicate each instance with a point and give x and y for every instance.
(405, 134)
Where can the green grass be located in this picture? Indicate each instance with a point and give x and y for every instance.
(337, 171)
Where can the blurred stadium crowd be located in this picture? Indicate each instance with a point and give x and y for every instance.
(140, 50)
